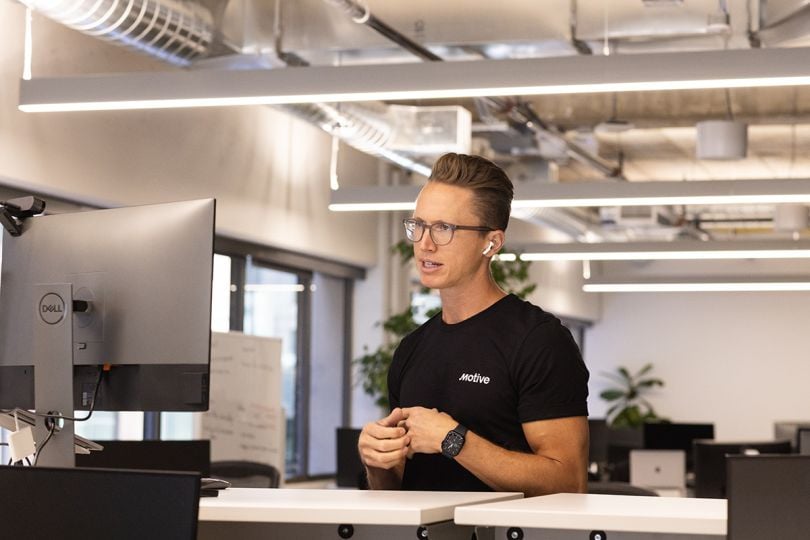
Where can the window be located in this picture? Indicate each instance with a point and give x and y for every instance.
(276, 303)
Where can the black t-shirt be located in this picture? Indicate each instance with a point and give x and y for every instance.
(512, 363)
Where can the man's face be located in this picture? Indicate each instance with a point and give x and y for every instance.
(460, 262)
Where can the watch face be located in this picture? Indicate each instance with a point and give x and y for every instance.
(452, 443)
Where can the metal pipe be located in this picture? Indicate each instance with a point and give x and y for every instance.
(362, 15)
(580, 46)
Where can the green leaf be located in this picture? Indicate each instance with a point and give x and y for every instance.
(611, 394)
(616, 378)
(644, 370)
(629, 408)
(648, 383)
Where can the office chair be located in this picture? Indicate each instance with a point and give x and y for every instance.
(251, 474)
(619, 488)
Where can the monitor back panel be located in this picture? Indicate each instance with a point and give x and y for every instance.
(598, 440)
(768, 497)
(191, 456)
(710, 462)
(41, 502)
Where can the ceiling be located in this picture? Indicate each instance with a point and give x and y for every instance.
(650, 135)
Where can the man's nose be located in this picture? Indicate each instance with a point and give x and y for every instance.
(427, 243)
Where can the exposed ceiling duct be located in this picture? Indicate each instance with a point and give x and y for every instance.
(175, 31)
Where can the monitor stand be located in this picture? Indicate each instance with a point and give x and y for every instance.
(53, 371)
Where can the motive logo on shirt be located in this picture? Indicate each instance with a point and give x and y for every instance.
(474, 378)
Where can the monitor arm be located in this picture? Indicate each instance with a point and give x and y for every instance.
(14, 211)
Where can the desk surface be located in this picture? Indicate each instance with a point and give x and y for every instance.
(357, 507)
(602, 512)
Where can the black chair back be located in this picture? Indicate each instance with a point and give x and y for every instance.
(246, 473)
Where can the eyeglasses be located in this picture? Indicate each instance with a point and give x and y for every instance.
(440, 232)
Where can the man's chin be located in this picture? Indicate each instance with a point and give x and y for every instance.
(431, 282)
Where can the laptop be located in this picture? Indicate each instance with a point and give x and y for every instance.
(658, 469)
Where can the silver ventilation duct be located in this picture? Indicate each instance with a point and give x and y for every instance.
(175, 31)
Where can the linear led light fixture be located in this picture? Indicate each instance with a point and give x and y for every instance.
(428, 80)
(761, 284)
(678, 250)
(598, 193)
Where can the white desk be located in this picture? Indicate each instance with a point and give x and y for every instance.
(314, 513)
(575, 516)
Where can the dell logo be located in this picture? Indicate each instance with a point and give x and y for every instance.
(52, 308)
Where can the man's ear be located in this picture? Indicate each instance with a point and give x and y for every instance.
(494, 243)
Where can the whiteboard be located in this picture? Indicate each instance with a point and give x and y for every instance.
(245, 419)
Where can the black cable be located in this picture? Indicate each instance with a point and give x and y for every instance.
(41, 447)
(92, 404)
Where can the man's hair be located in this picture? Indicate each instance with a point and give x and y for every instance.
(492, 189)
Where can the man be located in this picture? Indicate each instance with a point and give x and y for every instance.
(490, 394)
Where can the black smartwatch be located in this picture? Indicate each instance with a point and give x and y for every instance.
(454, 441)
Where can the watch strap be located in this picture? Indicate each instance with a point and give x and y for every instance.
(461, 430)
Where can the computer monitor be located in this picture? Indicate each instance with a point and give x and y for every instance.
(768, 497)
(788, 430)
(350, 470)
(671, 436)
(44, 502)
(710, 462)
(145, 274)
(191, 456)
(597, 445)
(803, 441)
(620, 442)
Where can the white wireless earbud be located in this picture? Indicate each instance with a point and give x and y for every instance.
(489, 248)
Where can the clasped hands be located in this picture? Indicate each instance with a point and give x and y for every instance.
(386, 443)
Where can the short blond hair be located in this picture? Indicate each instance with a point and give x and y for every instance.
(492, 189)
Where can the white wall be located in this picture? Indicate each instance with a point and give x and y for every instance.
(559, 283)
(269, 172)
(740, 360)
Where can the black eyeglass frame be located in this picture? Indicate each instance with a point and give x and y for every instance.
(430, 227)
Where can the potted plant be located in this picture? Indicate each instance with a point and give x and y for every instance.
(629, 407)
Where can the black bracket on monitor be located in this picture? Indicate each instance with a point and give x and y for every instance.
(14, 211)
